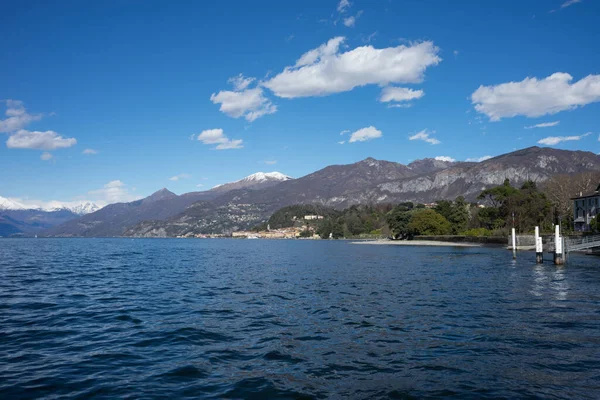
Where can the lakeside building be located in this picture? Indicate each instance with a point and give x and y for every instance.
(585, 208)
(311, 217)
(284, 233)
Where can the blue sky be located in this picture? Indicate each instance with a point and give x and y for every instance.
(151, 89)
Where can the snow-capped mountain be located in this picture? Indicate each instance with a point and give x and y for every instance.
(79, 208)
(259, 180)
(7, 204)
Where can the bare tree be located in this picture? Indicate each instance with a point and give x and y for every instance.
(561, 188)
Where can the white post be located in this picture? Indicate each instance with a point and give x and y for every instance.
(514, 243)
(558, 258)
(539, 247)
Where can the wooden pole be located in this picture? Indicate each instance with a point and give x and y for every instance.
(514, 243)
(558, 247)
(539, 247)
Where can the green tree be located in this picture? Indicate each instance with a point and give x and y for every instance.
(398, 221)
(595, 224)
(428, 222)
(455, 212)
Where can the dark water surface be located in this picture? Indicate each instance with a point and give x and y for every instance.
(122, 318)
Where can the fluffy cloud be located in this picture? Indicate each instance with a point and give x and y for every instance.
(48, 140)
(543, 125)
(364, 134)
(248, 103)
(554, 140)
(534, 97)
(89, 152)
(445, 158)
(113, 192)
(46, 156)
(180, 177)
(478, 159)
(325, 70)
(216, 136)
(398, 94)
(18, 117)
(424, 135)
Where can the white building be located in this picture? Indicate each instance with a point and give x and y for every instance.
(310, 217)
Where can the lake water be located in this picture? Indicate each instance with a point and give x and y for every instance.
(146, 318)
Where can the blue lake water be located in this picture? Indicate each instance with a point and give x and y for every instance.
(153, 318)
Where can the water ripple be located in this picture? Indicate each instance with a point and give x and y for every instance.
(120, 318)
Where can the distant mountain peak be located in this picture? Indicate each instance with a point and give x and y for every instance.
(255, 181)
(161, 194)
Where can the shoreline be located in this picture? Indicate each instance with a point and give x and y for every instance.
(416, 243)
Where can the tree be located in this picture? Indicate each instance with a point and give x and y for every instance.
(398, 220)
(559, 189)
(455, 212)
(595, 224)
(428, 222)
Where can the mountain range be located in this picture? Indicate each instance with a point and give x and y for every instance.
(244, 203)
(18, 218)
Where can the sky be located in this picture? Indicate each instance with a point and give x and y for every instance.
(110, 101)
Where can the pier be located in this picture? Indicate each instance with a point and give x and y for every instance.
(556, 244)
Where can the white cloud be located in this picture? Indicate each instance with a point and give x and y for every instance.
(456, 53)
(89, 152)
(113, 192)
(351, 21)
(343, 5)
(533, 98)
(248, 103)
(543, 125)
(478, 159)
(46, 156)
(569, 3)
(48, 140)
(325, 70)
(180, 177)
(18, 118)
(342, 142)
(554, 140)
(398, 94)
(364, 134)
(271, 162)
(240, 82)
(345, 131)
(216, 136)
(445, 158)
(199, 185)
(424, 135)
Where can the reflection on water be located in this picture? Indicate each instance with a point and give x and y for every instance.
(550, 281)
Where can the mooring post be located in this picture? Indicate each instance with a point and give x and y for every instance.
(558, 247)
(514, 243)
(539, 247)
